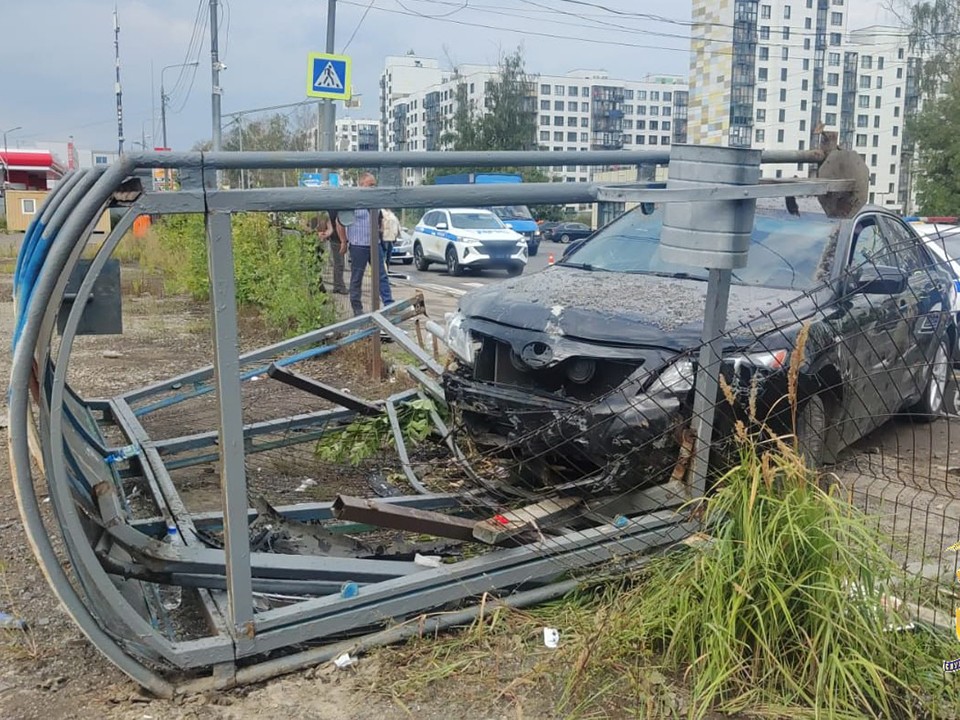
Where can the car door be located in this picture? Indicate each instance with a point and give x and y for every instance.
(428, 240)
(441, 227)
(864, 327)
(922, 306)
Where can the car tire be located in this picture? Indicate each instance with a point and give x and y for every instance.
(419, 259)
(407, 261)
(933, 402)
(564, 239)
(454, 268)
(811, 431)
(515, 270)
(532, 250)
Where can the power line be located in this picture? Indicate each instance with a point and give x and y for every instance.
(357, 28)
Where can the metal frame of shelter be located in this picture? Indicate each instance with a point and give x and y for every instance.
(114, 559)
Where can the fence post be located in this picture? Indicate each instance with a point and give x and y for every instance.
(713, 235)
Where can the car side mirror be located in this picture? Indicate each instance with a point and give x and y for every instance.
(881, 280)
(441, 226)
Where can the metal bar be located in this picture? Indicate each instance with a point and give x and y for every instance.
(233, 480)
(376, 351)
(412, 478)
(322, 390)
(401, 311)
(507, 525)
(306, 511)
(373, 512)
(778, 189)
(429, 384)
(407, 343)
(708, 372)
(407, 159)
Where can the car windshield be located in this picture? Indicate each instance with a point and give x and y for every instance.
(948, 239)
(576, 226)
(512, 212)
(786, 252)
(475, 221)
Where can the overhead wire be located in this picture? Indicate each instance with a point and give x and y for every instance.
(357, 28)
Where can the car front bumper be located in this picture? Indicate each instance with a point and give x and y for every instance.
(484, 257)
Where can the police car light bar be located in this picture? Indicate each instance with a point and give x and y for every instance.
(933, 220)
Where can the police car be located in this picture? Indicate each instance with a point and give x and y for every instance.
(462, 238)
(941, 235)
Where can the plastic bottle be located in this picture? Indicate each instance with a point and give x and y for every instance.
(124, 453)
(171, 595)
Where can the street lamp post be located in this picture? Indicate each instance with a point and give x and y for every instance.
(6, 167)
(164, 98)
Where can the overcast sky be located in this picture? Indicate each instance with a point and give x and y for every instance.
(57, 66)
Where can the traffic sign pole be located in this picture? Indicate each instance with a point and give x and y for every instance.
(329, 109)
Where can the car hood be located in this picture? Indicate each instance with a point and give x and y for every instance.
(626, 309)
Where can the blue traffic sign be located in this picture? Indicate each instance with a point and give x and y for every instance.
(328, 76)
(316, 180)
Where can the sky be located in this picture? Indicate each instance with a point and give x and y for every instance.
(57, 68)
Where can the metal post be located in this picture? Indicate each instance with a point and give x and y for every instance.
(376, 360)
(163, 112)
(330, 110)
(233, 481)
(6, 166)
(215, 75)
(707, 383)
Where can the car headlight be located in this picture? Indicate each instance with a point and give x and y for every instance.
(536, 233)
(774, 360)
(458, 338)
(677, 379)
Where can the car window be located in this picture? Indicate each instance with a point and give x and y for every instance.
(870, 245)
(946, 238)
(786, 251)
(475, 221)
(911, 255)
(428, 219)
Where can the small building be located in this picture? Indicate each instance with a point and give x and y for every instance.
(22, 206)
(29, 169)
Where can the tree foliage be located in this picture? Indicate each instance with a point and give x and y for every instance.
(281, 131)
(935, 36)
(937, 130)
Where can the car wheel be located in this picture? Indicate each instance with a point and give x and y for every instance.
(407, 261)
(933, 401)
(811, 432)
(533, 249)
(419, 259)
(454, 267)
(515, 270)
(564, 239)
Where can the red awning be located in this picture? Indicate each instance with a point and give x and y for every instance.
(39, 159)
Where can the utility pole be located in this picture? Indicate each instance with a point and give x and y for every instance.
(164, 99)
(216, 67)
(116, 52)
(330, 110)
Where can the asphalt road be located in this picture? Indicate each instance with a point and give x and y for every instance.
(436, 279)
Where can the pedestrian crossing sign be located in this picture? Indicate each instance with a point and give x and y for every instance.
(328, 76)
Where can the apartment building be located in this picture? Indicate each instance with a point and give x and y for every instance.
(579, 111)
(770, 73)
(353, 134)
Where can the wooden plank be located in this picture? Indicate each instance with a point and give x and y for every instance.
(502, 527)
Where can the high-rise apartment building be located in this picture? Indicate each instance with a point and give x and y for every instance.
(771, 74)
(353, 135)
(579, 111)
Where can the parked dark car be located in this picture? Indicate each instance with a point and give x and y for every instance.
(567, 232)
(546, 229)
(586, 369)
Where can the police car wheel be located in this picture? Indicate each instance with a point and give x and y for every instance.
(422, 262)
(453, 262)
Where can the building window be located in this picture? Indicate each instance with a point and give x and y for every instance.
(764, 32)
(893, 149)
(896, 130)
(652, 140)
(862, 121)
(864, 82)
(806, 43)
(896, 112)
(544, 89)
(781, 115)
(880, 63)
(628, 109)
(783, 74)
(584, 122)
(571, 122)
(780, 136)
(558, 105)
(101, 160)
(761, 94)
(762, 74)
(835, 39)
(584, 137)
(654, 124)
(861, 141)
(804, 85)
(807, 24)
(863, 101)
(900, 54)
(783, 95)
(28, 206)
(668, 97)
(544, 119)
(806, 64)
(628, 94)
(836, 19)
(572, 91)
(760, 135)
(879, 83)
(544, 104)
(558, 90)
(572, 106)
(803, 106)
(761, 115)
(667, 111)
(654, 109)
(873, 161)
(544, 136)
(785, 53)
(893, 169)
(558, 120)
(833, 79)
(558, 137)
(877, 102)
(655, 95)
(665, 125)
(803, 126)
(641, 140)
(866, 62)
(571, 137)
(832, 99)
(641, 94)
(876, 141)
(786, 32)
(665, 140)
(641, 109)
(764, 54)
(641, 124)
(765, 12)
(834, 59)
(876, 122)
(896, 94)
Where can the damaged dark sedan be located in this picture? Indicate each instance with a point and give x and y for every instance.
(583, 374)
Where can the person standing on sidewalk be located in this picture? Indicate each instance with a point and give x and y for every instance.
(355, 239)
(328, 235)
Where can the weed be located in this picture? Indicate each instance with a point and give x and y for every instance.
(363, 438)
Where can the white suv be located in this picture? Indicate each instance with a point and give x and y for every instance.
(463, 238)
